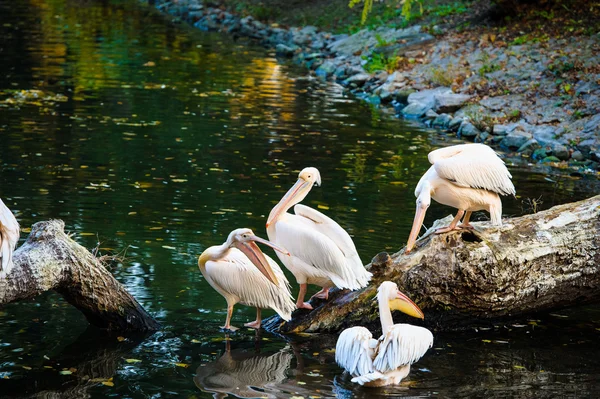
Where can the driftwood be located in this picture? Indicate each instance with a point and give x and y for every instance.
(51, 260)
(539, 262)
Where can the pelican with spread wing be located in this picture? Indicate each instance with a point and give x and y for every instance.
(469, 177)
(321, 251)
(241, 273)
(386, 361)
(9, 236)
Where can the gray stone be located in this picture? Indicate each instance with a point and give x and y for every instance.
(409, 38)
(340, 72)
(454, 124)
(317, 45)
(482, 137)
(577, 156)
(287, 51)
(431, 114)
(503, 103)
(593, 125)
(385, 96)
(449, 102)
(529, 146)
(467, 129)
(415, 110)
(312, 56)
(402, 95)
(544, 134)
(442, 121)
(358, 79)
(515, 140)
(325, 69)
(300, 38)
(309, 30)
(561, 152)
(500, 130)
(427, 97)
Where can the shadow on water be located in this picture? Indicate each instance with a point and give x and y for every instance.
(93, 358)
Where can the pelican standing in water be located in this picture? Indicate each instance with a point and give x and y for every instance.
(9, 236)
(241, 273)
(386, 361)
(321, 251)
(469, 177)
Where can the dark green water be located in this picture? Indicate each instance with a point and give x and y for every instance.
(157, 140)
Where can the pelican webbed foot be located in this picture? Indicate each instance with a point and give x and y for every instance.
(229, 328)
(323, 294)
(467, 226)
(446, 229)
(304, 305)
(255, 324)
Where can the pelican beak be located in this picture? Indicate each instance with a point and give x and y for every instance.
(406, 305)
(258, 259)
(299, 189)
(416, 227)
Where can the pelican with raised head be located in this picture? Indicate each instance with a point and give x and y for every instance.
(321, 251)
(241, 273)
(469, 177)
(386, 361)
(9, 237)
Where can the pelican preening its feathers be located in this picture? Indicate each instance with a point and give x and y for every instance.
(321, 251)
(241, 273)
(9, 236)
(469, 177)
(385, 361)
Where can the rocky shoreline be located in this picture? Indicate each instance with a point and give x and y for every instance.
(538, 98)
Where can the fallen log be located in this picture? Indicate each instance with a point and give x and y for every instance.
(540, 262)
(50, 260)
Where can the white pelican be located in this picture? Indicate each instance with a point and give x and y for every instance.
(9, 236)
(321, 252)
(230, 269)
(468, 177)
(385, 361)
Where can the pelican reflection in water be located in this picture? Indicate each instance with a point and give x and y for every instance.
(245, 373)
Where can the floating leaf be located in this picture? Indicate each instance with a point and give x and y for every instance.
(133, 360)
(184, 365)
(65, 372)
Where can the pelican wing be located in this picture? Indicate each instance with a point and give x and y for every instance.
(237, 276)
(9, 237)
(298, 235)
(340, 237)
(473, 165)
(402, 345)
(355, 350)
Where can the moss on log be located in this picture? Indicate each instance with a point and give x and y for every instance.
(539, 262)
(51, 260)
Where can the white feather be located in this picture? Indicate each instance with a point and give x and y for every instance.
(327, 226)
(237, 279)
(402, 345)
(9, 237)
(355, 350)
(473, 165)
(318, 252)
